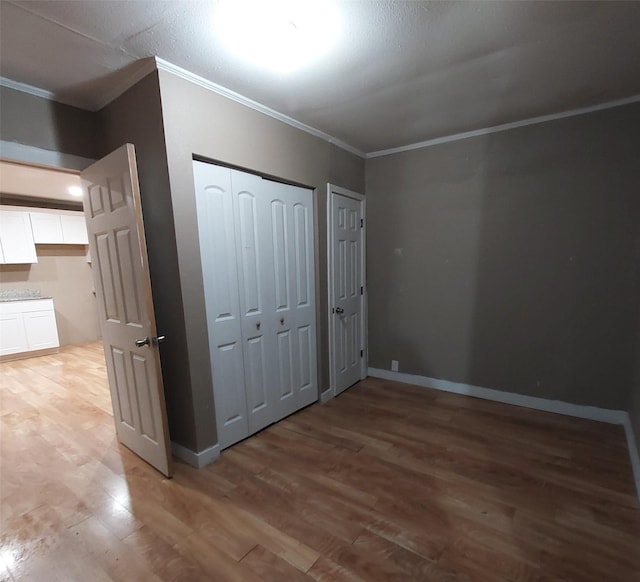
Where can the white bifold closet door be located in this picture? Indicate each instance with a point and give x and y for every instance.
(256, 246)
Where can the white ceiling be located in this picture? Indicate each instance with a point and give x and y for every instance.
(399, 73)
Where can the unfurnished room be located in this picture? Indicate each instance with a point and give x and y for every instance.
(319, 290)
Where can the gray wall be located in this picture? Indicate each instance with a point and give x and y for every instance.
(62, 272)
(512, 261)
(38, 122)
(198, 121)
(634, 407)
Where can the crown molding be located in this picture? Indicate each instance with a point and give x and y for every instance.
(229, 94)
(505, 127)
(24, 88)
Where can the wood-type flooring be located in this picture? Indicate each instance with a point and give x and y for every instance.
(385, 482)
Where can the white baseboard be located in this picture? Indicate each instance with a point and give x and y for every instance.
(557, 406)
(326, 396)
(634, 455)
(197, 460)
(578, 410)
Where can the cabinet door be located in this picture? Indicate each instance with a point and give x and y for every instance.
(13, 338)
(41, 329)
(46, 228)
(74, 229)
(16, 237)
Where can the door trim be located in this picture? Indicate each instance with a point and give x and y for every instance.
(332, 190)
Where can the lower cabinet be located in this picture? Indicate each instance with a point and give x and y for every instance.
(27, 326)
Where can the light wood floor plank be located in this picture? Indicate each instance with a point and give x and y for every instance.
(386, 482)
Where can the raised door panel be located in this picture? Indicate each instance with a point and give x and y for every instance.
(220, 275)
(16, 238)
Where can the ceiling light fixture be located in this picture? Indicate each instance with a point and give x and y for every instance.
(75, 191)
(279, 35)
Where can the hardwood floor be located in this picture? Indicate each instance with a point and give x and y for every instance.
(385, 482)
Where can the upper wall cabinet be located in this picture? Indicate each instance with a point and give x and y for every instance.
(59, 228)
(16, 239)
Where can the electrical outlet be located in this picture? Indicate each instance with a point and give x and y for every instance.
(394, 365)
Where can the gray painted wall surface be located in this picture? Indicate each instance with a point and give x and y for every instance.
(41, 123)
(634, 407)
(512, 261)
(136, 117)
(198, 121)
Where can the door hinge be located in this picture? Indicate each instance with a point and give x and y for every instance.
(362, 353)
(362, 223)
(361, 290)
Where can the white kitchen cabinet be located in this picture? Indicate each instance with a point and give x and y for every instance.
(74, 229)
(46, 228)
(13, 336)
(59, 228)
(16, 238)
(27, 326)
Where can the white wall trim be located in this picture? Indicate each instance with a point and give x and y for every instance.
(10, 150)
(197, 460)
(634, 455)
(505, 127)
(620, 417)
(163, 65)
(557, 406)
(326, 395)
(24, 88)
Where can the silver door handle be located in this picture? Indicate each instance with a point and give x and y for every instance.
(339, 310)
(150, 341)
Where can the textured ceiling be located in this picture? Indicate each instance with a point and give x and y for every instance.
(399, 73)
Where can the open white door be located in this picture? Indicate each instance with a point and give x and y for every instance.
(125, 307)
(347, 293)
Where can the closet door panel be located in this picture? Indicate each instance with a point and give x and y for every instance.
(257, 296)
(294, 266)
(216, 230)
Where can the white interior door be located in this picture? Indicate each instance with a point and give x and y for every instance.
(347, 289)
(125, 306)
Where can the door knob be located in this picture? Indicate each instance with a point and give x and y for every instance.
(339, 310)
(150, 341)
